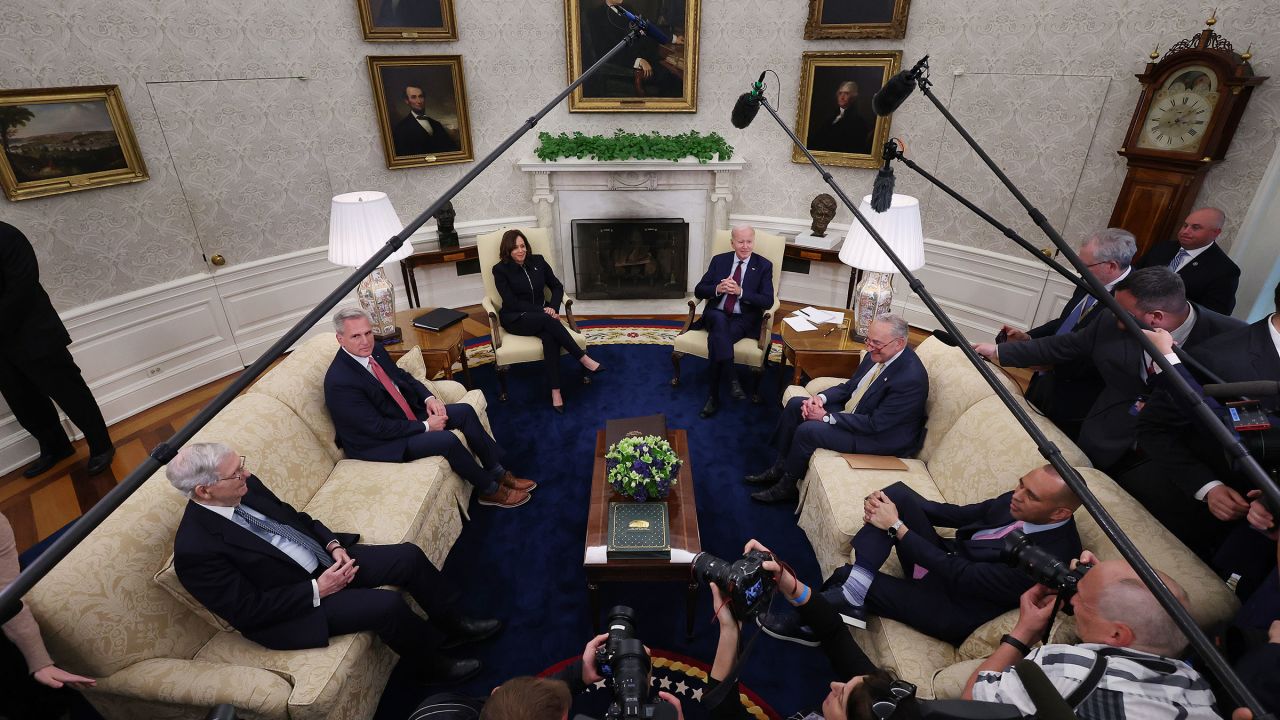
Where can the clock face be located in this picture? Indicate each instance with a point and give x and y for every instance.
(1181, 110)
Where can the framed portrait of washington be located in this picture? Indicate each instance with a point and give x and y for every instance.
(401, 20)
(833, 116)
(421, 102)
(60, 140)
(856, 19)
(643, 77)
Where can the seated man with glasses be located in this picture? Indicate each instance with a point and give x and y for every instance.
(287, 582)
(879, 411)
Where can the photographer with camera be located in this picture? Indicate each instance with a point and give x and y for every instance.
(1126, 664)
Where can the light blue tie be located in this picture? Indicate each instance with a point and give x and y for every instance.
(272, 527)
(1178, 259)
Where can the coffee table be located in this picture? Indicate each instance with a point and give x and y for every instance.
(682, 516)
(440, 350)
(829, 351)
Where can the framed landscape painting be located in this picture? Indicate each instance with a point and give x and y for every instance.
(421, 102)
(856, 19)
(834, 116)
(643, 77)
(60, 140)
(399, 20)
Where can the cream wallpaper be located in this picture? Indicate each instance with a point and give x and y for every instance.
(251, 114)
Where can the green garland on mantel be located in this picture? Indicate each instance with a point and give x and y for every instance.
(630, 146)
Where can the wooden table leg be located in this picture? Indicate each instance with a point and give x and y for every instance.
(462, 358)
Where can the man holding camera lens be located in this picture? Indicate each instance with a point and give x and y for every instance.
(1126, 664)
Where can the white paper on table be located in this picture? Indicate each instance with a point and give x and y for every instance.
(822, 316)
(681, 556)
(596, 555)
(837, 318)
(800, 324)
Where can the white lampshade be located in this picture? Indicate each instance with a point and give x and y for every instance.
(901, 230)
(360, 223)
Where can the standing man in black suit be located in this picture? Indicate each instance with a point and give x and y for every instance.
(843, 129)
(885, 401)
(418, 134)
(738, 288)
(1210, 276)
(951, 586)
(1154, 295)
(37, 369)
(1066, 391)
(382, 413)
(287, 582)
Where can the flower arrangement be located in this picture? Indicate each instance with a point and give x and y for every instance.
(642, 467)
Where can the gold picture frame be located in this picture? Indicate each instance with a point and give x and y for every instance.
(434, 85)
(645, 77)
(61, 140)
(856, 19)
(843, 130)
(407, 20)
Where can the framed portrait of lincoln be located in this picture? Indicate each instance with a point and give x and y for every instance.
(421, 103)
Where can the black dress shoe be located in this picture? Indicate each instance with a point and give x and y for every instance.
(768, 477)
(782, 491)
(788, 627)
(44, 462)
(852, 615)
(709, 409)
(558, 408)
(447, 671)
(599, 369)
(469, 630)
(735, 390)
(101, 461)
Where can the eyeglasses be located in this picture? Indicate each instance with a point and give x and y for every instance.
(877, 345)
(1100, 262)
(899, 690)
(237, 475)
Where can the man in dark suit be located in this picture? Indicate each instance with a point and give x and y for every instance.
(950, 586)
(738, 288)
(418, 134)
(287, 582)
(1154, 295)
(843, 129)
(383, 413)
(410, 14)
(879, 411)
(37, 369)
(1210, 276)
(1066, 391)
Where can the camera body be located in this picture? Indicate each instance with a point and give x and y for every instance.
(1044, 568)
(624, 664)
(745, 582)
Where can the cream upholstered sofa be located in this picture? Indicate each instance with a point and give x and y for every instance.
(974, 449)
(113, 608)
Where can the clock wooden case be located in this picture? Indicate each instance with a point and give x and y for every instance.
(1187, 114)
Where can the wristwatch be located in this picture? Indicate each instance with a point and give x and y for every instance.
(893, 529)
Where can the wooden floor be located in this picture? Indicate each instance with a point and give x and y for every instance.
(39, 506)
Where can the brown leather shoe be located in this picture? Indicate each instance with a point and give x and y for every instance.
(505, 497)
(515, 483)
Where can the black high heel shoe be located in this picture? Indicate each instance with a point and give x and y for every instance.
(558, 408)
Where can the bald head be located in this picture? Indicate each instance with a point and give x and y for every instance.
(1114, 607)
(1201, 227)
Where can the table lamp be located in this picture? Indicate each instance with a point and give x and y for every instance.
(901, 230)
(360, 223)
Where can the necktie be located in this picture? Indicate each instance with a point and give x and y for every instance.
(1071, 320)
(732, 301)
(271, 527)
(381, 374)
(1178, 259)
(997, 533)
(852, 405)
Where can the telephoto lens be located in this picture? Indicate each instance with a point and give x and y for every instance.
(1044, 568)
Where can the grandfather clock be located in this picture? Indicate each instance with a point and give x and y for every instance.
(1187, 114)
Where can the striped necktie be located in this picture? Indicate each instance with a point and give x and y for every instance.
(264, 524)
(1176, 263)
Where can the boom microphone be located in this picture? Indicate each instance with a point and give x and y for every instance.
(744, 111)
(1253, 388)
(895, 92)
(644, 26)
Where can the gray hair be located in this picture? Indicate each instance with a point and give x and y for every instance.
(341, 317)
(742, 228)
(851, 85)
(1114, 245)
(196, 465)
(897, 324)
(1128, 601)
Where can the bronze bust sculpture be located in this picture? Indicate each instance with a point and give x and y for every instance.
(822, 210)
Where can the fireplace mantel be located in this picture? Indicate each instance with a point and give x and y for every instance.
(577, 189)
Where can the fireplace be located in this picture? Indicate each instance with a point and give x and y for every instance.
(629, 259)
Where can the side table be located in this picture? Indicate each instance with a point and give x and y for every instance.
(829, 351)
(440, 350)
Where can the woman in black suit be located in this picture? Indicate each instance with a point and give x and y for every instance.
(521, 279)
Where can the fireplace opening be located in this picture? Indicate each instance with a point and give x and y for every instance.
(631, 259)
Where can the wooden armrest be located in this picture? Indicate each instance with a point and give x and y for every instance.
(766, 333)
(494, 336)
(693, 305)
(568, 314)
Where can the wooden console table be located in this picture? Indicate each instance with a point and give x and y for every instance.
(443, 256)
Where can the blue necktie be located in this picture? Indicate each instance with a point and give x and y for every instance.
(267, 525)
(1178, 259)
(1069, 323)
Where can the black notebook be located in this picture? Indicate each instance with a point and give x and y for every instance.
(438, 319)
(638, 530)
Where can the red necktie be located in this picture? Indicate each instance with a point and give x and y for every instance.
(381, 374)
(731, 301)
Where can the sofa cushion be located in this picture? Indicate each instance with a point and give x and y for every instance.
(188, 688)
(949, 681)
(910, 654)
(954, 387)
(167, 577)
(298, 382)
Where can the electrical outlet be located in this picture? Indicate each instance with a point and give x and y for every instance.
(155, 371)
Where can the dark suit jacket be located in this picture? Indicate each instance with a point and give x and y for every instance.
(1110, 428)
(245, 580)
(851, 134)
(1169, 436)
(1066, 392)
(34, 326)
(890, 417)
(523, 288)
(757, 285)
(370, 424)
(409, 138)
(1211, 278)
